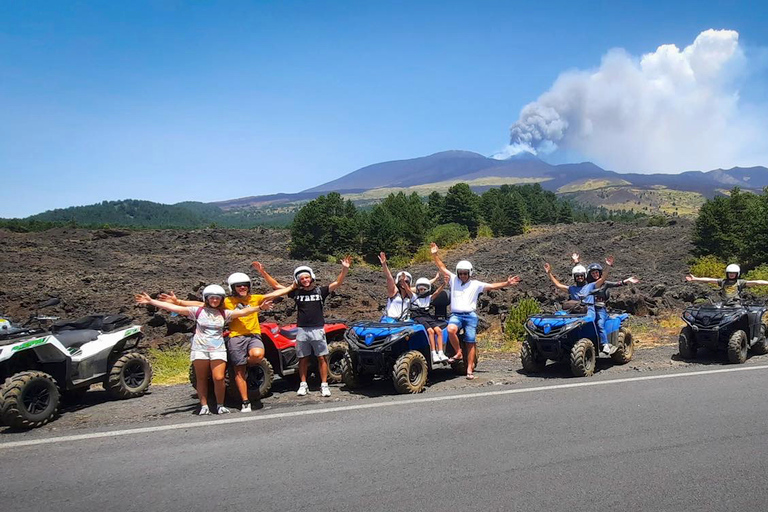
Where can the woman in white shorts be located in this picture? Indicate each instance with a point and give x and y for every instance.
(209, 353)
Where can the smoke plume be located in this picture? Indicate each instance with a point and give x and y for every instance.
(668, 111)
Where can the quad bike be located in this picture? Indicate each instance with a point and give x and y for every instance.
(572, 338)
(280, 357)
(396, 350)
(731, 328)
(39, 366)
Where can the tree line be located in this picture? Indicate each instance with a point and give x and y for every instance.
(734, 228)
(401, 224)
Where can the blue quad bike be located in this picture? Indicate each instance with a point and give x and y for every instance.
(396, 350)
(732, 328)
(572, 338)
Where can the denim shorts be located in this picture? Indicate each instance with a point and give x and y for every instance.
(467, 321)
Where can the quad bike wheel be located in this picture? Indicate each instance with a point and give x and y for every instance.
(336, 351)
(761, 347)
(685, 343)
(409, 373)
(738, 347)
(129, 376)
(350, 376)
(28, 400)
(583, 358)
(258, 378)
(533, 362)
(625, 347)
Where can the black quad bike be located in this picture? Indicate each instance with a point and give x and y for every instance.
(733, 328)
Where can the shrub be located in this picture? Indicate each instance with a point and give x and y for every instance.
(518, 314)
(449, 235)
(657, 221)
(169, 366)
(758, 273)
(484, 231)
(708, 266)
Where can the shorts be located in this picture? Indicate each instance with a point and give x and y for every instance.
(429, 322)
(467, 321)
(238, 347)
(311, 340)
(213, 355)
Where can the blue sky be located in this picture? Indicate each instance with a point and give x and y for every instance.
(206, 100)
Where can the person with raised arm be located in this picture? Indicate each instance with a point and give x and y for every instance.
(583, 292)
(601, 294)
(730, 287)
(310, 322)
(464, 294)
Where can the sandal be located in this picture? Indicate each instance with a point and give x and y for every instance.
(470, 376)
(452, 360)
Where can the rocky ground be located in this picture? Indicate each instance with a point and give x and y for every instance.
(99, 271)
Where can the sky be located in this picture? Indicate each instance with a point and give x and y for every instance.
(211, 100)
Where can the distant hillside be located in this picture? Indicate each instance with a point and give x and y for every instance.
(147, 214)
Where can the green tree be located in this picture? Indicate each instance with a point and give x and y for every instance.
(462, 207)
(325, 226)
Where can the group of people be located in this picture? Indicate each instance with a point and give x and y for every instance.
(243, 345)
(236, 314)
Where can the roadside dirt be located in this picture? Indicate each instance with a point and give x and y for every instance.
(99, 271)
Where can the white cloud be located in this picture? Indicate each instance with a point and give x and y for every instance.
(667, 111)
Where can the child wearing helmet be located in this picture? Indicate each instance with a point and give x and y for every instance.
(310, 322)
(420, 312)
(730, 287)
(582, 291)
(464, 294)
(209, 353)
(601, 295)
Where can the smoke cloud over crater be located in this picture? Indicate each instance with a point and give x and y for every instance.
(667, 111)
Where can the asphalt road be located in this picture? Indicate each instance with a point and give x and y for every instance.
(694, 442)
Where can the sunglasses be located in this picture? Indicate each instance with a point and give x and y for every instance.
(242, 285)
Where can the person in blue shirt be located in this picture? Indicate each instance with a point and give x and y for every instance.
(582, 291)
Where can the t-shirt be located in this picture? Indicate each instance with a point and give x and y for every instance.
(730, 289)
(464, 296)
(245, 325)
(582, 293)
(420, 305)
(209, 328)
(309, 306)
(399, 308)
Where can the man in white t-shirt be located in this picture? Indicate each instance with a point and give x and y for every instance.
(464, 293)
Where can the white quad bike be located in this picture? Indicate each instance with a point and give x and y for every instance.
(40, 366)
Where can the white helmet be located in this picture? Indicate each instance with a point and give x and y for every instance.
(403, 273)
(423, 281)
(213, 289)
(733, 268)
(579, 269)
(464, 265)
(237, 278)
(303, 270)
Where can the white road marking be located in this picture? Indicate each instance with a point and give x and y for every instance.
(394, 403)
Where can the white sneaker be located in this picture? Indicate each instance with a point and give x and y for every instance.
(325, 390)
(435, 358)
(204, 411)
(441, 355)
(608, 349)
(246, 407)
(303, 389)
(222, 410)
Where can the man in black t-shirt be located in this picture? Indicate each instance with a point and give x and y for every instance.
(310, 322)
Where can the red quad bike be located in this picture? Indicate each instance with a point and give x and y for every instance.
(280, 357)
